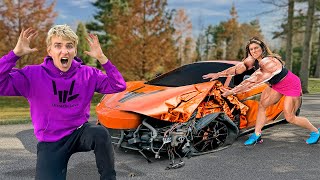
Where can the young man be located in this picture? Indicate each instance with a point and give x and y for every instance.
(59, 92)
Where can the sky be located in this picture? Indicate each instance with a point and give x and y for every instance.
(201, 13)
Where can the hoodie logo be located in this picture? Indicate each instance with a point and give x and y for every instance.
(64, 95)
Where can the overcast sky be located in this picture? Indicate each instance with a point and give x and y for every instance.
(200, 12)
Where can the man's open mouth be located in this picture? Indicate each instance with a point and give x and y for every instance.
(64, 61)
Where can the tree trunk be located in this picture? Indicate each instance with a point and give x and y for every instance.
(289, 35)
(304, 71)
(317, 73)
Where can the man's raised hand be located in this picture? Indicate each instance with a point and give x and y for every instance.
(23, 44)
(95, 49)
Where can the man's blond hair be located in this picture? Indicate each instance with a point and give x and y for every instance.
(64, 31)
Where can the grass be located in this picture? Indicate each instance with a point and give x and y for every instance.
(15, 110)
(314, 85)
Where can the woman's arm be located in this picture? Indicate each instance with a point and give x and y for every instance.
(269, 67)
(234, 70)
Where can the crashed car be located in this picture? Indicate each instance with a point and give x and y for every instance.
(182, 114)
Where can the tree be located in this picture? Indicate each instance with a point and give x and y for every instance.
(289, 34)
(317, 72)
(294, 35)
(227, 39)
(141, 40)
(249, 30)
(317, 69)
(200, 39)
(83, 44)
(188, 51)
(102, 17)
(232, 31)
(304, 71)
(289, 31)
(18, 14)
(183, 36)
(209, 42)
(199, 48)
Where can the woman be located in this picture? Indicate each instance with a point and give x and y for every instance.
(268, 68)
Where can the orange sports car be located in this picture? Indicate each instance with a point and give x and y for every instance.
(181, 114)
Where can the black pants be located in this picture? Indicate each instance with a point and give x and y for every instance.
(53, 157)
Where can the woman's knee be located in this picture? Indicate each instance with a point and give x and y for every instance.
(263, 105)
(290, 117)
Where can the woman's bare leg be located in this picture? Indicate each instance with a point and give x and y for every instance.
(268, 98)
(291, 104)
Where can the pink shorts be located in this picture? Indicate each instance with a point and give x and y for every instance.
(289, 85)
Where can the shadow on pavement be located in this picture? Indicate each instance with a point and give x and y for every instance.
(28, 140)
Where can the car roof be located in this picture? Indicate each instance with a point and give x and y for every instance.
(191, 73)
(234, 62)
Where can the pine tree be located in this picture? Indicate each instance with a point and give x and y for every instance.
(104, 16)
(140, 37)
(83, 44)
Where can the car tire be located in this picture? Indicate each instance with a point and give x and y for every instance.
(212, 133)
(210, 137)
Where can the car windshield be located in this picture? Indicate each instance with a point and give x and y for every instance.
(189, 74)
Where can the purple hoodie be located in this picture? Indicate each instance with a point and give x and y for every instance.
(59, 101)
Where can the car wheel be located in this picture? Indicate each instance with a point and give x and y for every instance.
(210, 137)
(212, 133)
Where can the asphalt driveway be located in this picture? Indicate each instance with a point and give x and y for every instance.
(283, 155)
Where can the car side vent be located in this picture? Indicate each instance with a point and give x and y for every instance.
(131, 95)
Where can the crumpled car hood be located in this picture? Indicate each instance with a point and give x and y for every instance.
(174, 104)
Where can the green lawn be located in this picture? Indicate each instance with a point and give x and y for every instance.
(314, 86)
(14, 110)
